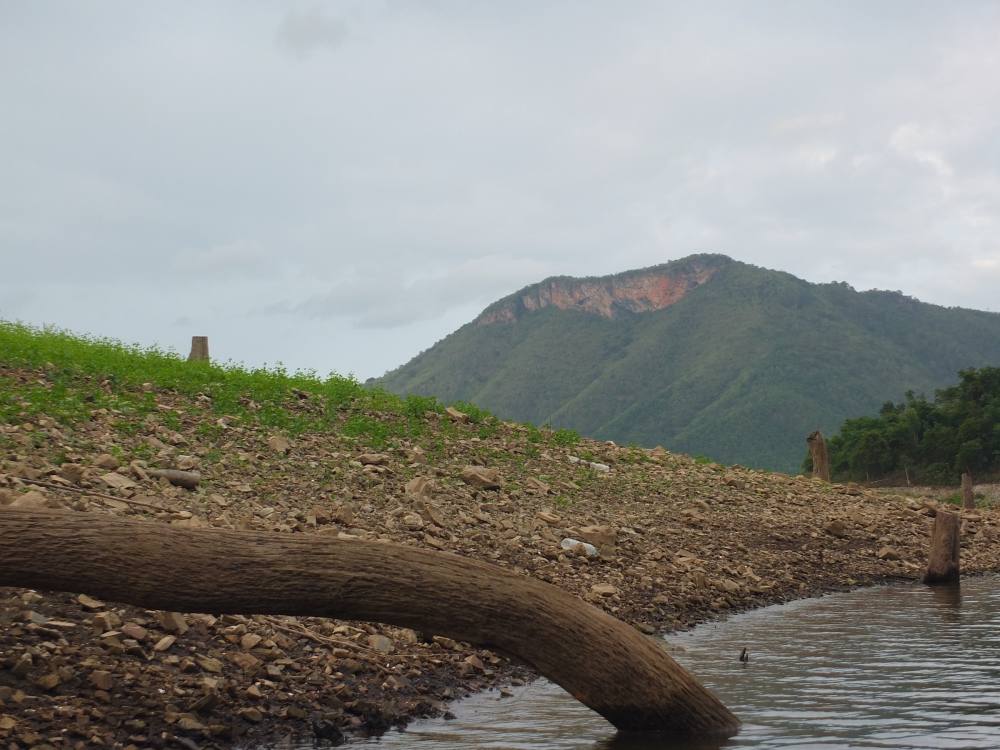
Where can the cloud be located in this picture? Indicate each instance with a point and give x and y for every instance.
(303, 32)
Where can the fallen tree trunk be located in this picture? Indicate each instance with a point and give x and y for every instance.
(606, 664)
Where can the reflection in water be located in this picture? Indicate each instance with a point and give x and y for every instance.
(894, 667)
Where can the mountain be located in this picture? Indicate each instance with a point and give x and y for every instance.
(704, 355)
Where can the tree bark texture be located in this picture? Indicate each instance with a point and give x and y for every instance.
(199, 349)
(943, 562)
(606, 664)
(968, 496)
(820, 456)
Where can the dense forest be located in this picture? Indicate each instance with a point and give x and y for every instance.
(925, 441)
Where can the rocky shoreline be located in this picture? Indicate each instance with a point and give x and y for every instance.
(677, 542)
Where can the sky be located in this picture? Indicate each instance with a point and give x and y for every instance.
(336, 186)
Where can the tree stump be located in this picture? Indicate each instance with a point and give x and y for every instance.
(199, 349)
(604, 663)
(943, 561)
(820, 456)
(968, 497)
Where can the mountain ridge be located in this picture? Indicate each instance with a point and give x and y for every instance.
(740, 367)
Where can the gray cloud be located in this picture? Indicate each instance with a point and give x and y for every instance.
(175, 172)
(305, 31)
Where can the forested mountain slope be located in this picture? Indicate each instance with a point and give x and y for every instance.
(704, 355)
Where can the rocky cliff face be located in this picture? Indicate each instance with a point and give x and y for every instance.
(635, 292)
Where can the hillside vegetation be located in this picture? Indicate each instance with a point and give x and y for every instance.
(85, 425)
(741, 368)
(926, 441)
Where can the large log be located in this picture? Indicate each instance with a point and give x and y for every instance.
(943, 561)
(820, 455)
(625, 676)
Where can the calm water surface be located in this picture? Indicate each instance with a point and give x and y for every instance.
(890, 667)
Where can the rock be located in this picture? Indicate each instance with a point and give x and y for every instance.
(420, 488)
(33, 500)
(106, 461)
(888, 553)
(373, 459)
(23, 665)
(604, 538)
(164, 643)
(481, 477)
(189, 480)
(279, 444)
(134, 631)
(89, 602)
(72, 473)
(575, 545)
(102, 679)
(550, 518)
(413, 521)
(381, 643)
(172, 622)
(603, 589)
(118, 482)
(49, 681)
(455, 415)
(209, 664)
(251, 714)
(107, 620)
(537, 485)
(416, 455)
(187, 463)
(836, 528)
(250, 641)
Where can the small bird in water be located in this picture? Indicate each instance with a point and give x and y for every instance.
(744, 655)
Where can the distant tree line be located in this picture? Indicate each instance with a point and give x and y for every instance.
(921, 441)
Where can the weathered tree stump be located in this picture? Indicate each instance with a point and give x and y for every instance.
(968, 497)
(625, 676)
(820, 456)
(199, 349)
(943, 561)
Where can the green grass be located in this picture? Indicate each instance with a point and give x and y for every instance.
(74, 375)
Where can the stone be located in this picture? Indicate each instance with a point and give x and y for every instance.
(279, 444)
(575, 545)
(836, 528)
(31, 500)
(382, 644)
(413, 521)
(72, 472)
(89, 602)
(373, 459)
(420, 488)
(249, 641)
(455, 415)
(134, 631)
(604, 538)
(550, 518)
(209, 664)
(603, 589)
(187, 463)
(102, 679)
(537, 485)
(49, 681)
(118, 482)
(481, 477)
(172, 622)
(888, 553)
(106, 461)
(251, 714)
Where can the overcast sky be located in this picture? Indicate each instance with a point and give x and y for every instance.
(339, 185)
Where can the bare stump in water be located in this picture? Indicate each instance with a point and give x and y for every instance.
(943, 563)
(606, 664)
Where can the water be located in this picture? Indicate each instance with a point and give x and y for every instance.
(892, 667)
